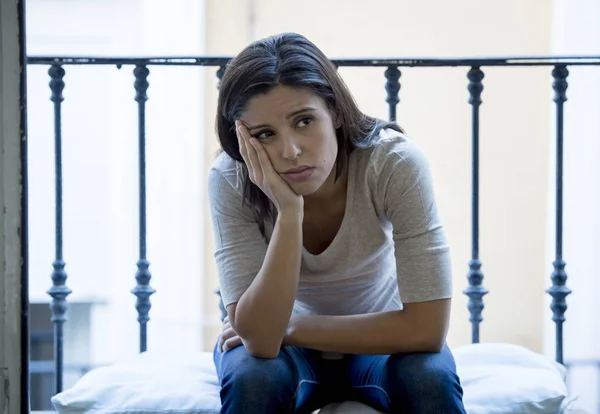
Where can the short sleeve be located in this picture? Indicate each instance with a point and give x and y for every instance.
(240, 247)
(422, 254)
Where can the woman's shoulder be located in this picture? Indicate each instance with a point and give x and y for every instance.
(390, 151)
(225, 175)
(394, 174)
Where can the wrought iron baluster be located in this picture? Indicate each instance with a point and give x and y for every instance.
(475, 291)
(59, 290)
(392, 86)
(559, 290)
(142, 291)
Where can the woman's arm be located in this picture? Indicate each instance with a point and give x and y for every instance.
(419, 327)
(262, 314)
(403, 193)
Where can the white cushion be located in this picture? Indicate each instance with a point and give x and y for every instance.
(148, 383)
(496, 378)
(506, 379)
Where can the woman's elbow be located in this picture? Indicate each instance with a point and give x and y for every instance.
(264, 351)
(423, 342)
(435, 347)
(433, 343)
(258, 344)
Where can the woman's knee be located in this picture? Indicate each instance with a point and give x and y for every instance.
(426, 382)
(247, 381)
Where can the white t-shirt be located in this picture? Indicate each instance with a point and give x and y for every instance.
(390, 249)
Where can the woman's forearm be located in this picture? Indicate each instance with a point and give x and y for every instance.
(263, 312)
(420, 327)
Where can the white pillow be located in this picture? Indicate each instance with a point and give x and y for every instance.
(149, 383)
(152, 383)
(506, 379)
(496, 378)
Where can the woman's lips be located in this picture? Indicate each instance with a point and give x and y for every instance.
(299, 174)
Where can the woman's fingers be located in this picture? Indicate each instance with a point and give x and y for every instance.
(244, 152)
(227, 334)
(252, 161)
(226, 325)
(261, 154)
(241, 144)
(228, 338)
(262, 173)
(232, 343)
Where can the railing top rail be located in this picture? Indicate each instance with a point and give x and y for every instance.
(576, 60)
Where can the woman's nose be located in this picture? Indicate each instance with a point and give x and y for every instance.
(291, 149)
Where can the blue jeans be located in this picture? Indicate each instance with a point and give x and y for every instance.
(300, 381)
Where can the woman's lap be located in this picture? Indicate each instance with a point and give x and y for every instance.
(294, 382)
(407, 383)
(300, 381)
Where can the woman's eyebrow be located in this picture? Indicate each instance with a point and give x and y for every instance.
(250, 128)
(299, 111)
(288, 116)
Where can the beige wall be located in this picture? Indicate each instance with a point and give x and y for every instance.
(514, 126)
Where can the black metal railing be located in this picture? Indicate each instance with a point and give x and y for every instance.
(59, 290)
(475, 290)
(143, 290)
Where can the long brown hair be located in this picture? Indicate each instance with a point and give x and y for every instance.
(289, 59)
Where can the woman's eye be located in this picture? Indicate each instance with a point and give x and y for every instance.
(263, 134)
(305, 121)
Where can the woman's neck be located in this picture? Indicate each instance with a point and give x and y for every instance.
(331, 192)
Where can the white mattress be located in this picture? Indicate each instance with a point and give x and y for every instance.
(496, 379)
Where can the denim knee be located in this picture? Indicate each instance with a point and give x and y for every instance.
(252, 385)
(425, 383)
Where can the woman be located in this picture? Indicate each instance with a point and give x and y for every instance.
(333, 265)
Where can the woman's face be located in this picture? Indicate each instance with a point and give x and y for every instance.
(297, 131)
